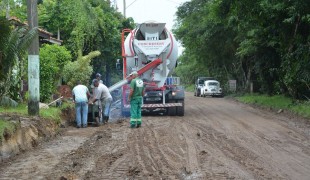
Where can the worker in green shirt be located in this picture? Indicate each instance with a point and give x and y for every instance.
(135, 97)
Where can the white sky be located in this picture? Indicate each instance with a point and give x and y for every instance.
(158, 10)
(144, 10)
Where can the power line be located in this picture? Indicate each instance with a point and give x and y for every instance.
(131, 4)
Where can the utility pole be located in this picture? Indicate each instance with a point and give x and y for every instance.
(7, 12)
(124, 8)
(33, 61)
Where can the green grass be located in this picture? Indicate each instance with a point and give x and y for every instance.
(190, 88)
(278, 102)
(21, 109)
(302, 109)
(51, 113)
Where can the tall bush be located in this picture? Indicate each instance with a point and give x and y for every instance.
(80, 69)
(52, 60)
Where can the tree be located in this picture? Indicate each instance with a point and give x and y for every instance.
(13, 46)
(102, 33)
(266, 42)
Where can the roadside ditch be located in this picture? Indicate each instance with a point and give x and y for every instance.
(29, 132)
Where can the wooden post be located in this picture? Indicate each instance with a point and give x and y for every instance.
(33, 61)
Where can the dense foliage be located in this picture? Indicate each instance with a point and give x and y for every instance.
(265, 42)
(86, 27)
(52, 60)
(13, 45)
(79, 70)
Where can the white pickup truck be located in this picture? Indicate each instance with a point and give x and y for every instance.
(211, 88)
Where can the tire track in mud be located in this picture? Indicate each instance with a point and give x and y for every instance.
(153, 146)
(95, 157)
(243, 156)
(238, 138)
(148, 152)
(216, 141)
(78, 162)
(278, 142)
(38, 163)
(114, 161)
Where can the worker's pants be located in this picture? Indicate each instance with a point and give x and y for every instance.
(107, 105)
(81, 111)
(135, 111)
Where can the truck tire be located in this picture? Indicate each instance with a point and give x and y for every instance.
(180, 109)
(172, 110)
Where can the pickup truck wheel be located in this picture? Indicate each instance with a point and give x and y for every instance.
(180, 109)
(198, 93)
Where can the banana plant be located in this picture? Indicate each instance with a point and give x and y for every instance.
(14, 42)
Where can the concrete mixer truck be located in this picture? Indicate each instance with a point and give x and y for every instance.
(151, 50)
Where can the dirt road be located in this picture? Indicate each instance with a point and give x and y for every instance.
(216, 139)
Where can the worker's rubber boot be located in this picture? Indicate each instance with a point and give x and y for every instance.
(138, 125)
(97, 121)
(133, 123)
(105, 119)
(139, 122)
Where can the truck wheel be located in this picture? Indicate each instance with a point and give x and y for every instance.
(180, 109)
(172, 110)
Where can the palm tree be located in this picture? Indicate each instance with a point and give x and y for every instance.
(14, 43)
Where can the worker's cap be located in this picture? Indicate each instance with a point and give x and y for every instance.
(95, 81)
(98, 75)
(134, 73)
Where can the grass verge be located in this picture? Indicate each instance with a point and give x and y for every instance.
(190, 88)
(51, 113)
(301, 108)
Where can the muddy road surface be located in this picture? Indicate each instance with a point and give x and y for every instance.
(217, 138)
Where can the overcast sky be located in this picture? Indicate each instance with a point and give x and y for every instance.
(145, 10)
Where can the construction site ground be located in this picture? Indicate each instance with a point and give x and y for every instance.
(218, 138)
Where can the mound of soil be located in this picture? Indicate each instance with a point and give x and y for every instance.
(68, 116)
(29, 132)
(65, 91)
